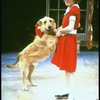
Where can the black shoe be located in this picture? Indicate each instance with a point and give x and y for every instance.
(64, 96)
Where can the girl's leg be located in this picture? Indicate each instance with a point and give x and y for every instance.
(69, 90)
(70, 84)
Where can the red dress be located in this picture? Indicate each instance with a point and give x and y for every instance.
(65, 55)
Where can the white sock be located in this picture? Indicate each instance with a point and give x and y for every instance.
(70, 86)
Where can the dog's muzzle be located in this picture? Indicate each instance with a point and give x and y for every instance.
(49, 29)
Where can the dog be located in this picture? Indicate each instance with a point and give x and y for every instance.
(42, 46)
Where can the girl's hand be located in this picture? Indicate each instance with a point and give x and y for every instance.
(59, 32)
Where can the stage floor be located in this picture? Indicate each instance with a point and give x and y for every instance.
(50, 80)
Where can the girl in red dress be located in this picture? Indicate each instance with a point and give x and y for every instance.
(65, 56)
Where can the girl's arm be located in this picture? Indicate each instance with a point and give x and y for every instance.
(69, 28)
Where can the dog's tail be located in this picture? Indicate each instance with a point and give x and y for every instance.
(13, 66)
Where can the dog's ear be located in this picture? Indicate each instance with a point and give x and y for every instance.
(37, 30)
(39, 23)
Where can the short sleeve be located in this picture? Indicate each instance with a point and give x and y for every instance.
(75, 11)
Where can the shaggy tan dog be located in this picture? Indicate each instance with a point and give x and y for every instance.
(42, 46)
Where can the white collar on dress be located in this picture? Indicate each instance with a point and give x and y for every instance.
(68, 8)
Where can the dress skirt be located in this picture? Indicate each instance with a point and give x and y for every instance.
(65, 55)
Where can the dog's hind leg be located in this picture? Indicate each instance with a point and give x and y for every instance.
(24, 66)
(24, 77)
(31, 68)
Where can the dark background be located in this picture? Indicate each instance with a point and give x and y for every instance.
(18, 19)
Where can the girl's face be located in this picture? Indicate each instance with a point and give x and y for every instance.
(69, 2)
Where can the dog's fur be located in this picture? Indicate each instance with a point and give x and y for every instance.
(41, 47)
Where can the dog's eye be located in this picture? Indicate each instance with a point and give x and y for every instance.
(50, 20)
(44, 22)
